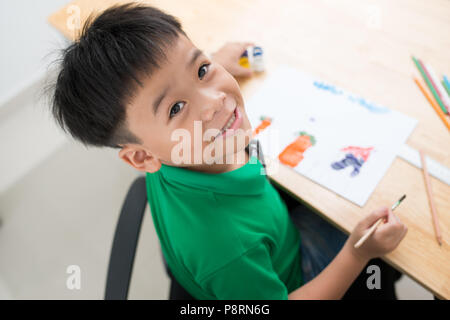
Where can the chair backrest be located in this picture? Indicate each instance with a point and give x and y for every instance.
(125, 241)
(124, 246)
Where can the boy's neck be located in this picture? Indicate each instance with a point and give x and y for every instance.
(225, 167)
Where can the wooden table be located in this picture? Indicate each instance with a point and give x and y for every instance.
(364, 47)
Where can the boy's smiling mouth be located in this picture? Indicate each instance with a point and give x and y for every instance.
(232, 124)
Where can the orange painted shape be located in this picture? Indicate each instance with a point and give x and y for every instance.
(292, 155)
(264, 124)
(302, 143)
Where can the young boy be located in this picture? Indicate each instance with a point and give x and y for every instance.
(135, 81)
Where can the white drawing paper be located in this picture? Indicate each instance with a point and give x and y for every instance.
(356, 140)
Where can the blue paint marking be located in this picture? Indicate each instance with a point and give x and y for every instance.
(369, 106)
(361, 101)
(349, 160)
(327, 87)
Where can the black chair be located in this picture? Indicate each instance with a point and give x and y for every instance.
(124, 247)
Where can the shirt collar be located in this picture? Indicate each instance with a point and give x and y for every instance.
(250, 179)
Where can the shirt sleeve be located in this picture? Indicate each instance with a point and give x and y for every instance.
(249, 277)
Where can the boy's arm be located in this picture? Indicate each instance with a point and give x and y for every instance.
(336, 278)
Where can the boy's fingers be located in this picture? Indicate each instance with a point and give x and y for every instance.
(243, 72)
(399, 234)
(374, 216)
(244, 45)
(393, 224)
(394, 218)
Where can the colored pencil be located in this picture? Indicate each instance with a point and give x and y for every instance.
(376, 224)
(438, 87)
(446, 84)
(434, 216)
(432, 87)
(423, 72)
(433, 103)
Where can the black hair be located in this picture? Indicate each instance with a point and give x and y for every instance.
(100, 72)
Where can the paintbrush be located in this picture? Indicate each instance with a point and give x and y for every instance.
(375, 226)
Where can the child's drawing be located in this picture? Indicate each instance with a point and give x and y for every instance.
(370, 106)
(327, 87)
(292, 155)
(354, 157)
(265, 122)
(371, 134)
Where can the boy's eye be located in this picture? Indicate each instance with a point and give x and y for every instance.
(176, 108)
(202, 71)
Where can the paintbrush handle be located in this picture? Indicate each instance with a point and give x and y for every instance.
(368, 233)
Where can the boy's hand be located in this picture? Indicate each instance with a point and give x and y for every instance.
(385, 238)
(228, 56)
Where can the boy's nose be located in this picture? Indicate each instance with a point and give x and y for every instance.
(212, 105)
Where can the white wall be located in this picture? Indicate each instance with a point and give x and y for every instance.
(25, 39)
(59, 202)
(28, 134)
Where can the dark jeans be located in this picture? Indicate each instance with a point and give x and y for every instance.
(321, 242)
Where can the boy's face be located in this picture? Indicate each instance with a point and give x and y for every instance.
(190, 92)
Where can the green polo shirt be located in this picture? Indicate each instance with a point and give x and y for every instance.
(227, 235)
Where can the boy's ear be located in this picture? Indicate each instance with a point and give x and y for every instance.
(140, 159)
